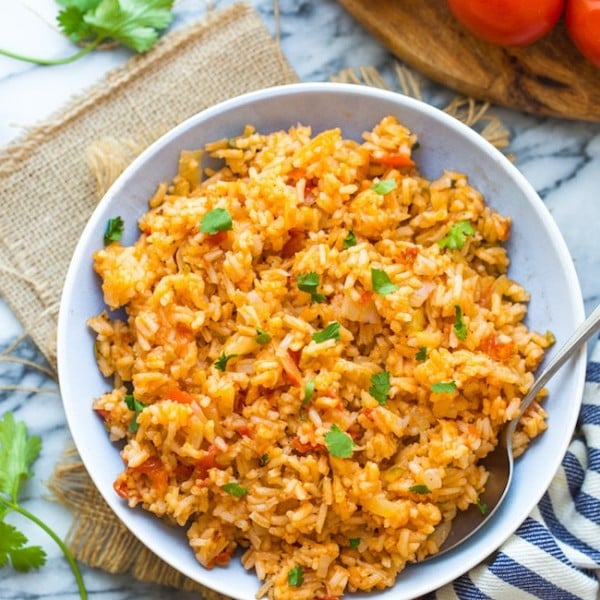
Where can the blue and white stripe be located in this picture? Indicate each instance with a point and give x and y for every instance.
(555, 553)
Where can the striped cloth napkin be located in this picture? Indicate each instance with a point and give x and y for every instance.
(555, 553)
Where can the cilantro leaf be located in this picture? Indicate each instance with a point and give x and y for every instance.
(114, 230)
(339, 443)
(13, 550)
(381, 282)
(216, 220)
(482, 506)
(262, 337)
(235, 489)
(221, 362)
(18, 451)
(309, 390)
(331, 332)
(444, 387)
(295, 576)
(70, 20)
(264, 459)
(385, 186)
(421, 354)
(460, 329)
(308, 282)
(457, 235)
(137, 407)
(133, 23)
(349, 240)
(354, 543)
(419, 488)
(380, 386)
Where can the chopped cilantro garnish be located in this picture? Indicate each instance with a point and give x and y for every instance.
(385, 186)
(415, 146)
(381, 282)
(235, 489)
(331, 332)
(349, 240)
(443, 387)
(264, 459)
(114, 230)
(309, 390)
(460, 329)
(339, 443)
(308, 282)
(380, 386)
(262, 337)
(482, 506)
(295, 576)
(137, 407)
(419, 488)
(354, 543)
(421, 354)
(550, 337)
(216, 220)
(457, 235)
(221, 362)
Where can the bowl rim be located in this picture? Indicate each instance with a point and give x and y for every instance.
(578, 363)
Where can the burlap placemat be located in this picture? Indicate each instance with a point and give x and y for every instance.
(47, 188)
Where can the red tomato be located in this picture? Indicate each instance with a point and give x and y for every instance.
(508, 22)
(582, 18)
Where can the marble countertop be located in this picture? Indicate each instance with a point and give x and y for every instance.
(560, 158)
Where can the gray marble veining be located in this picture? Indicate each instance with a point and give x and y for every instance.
(561, 159)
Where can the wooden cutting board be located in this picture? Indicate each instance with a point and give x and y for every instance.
(549, 77)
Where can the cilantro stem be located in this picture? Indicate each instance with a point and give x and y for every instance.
(67, 553)
(54, 61)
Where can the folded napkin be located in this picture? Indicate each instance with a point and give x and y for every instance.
(46, 179)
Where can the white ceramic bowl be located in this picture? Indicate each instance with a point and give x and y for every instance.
(540, 260)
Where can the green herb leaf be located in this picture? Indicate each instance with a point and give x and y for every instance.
(13, 549)
(457, 235)
(137, 407)
(308, 282)
(262, 337)
(419, 488)
(331, 332)
(221, 362)
(482, 506)
(264, 459)
(550, 338)
(235, 489)
(295, 576)
(349, 240)
(339, 443)
(309, 390)
(381, 282)
(114, 230)
(380, 386)
(71, 21)
(216, 220)
(133, 23)
(460, 329)
(18, 451)
(444, 387)
(415, 146)
(354, 543)
(421, 354)
(385, 186)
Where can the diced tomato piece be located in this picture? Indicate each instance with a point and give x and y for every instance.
(410, 254)
(294, 243)
(220, 559)
(365, 297)
(392, 159)
(497, 350)
(156, 473)
(217, 238)
(180, 396)
(244, 430)
(102, 413)
(121, 488)
(206, 462)
(303, 448)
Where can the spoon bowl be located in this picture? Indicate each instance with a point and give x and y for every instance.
(500, 462)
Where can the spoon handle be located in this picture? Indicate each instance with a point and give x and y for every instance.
(590, 326)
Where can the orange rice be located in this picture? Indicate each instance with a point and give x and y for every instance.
(314, 382)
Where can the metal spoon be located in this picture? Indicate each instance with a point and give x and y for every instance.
(500, 462)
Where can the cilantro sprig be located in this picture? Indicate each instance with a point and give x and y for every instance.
(18, 452)
(233, 488)
(380, 386)
(137, 407)
(221, 362)
(384, 186)
(295, 576)
(114, 230)
(331, 332)
(349, 240)
(381, 282)
(460, 329)
(132, 23)
(216, 220)
(309, 282)
(457, 235)
(443, 387)
(339, 443)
